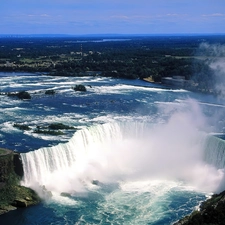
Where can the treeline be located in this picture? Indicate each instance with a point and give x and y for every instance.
(126, 57)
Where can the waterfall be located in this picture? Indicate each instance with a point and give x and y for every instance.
(215, 152)
(86, 150)
(126, 150)
(41, 164)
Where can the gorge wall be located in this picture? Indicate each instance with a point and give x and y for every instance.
(10, 165)
(12, 194)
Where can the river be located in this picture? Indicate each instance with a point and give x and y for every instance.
(136, 155)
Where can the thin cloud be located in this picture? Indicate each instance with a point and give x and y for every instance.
(45, 15)
(214, 15)
(120, 17)
(173, 16)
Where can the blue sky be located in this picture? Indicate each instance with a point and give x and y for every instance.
(111, 16)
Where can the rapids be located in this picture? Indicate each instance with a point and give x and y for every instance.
(142, 153)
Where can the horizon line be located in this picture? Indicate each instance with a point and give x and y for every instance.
(109, 34)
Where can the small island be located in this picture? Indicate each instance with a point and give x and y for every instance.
(51, 129)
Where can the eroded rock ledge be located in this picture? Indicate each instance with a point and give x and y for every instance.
(12, 195)
(211, 212)
(17, 197)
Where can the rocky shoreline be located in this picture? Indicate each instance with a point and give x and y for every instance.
(211, 212)
(12, 194)
(23, 197)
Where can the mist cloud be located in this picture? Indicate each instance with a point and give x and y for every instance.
(215, 59)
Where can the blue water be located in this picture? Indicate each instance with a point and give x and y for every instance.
(143, 142)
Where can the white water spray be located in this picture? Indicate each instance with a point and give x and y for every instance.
(127, 151)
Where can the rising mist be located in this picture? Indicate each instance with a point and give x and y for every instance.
(128, 151)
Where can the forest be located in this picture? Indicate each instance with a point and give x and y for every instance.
(131, 57)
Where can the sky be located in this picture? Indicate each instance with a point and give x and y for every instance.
(79, 17)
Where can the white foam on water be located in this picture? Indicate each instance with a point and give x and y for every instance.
(211, 104)
(8, 127)
(139, 202)
(125, 151)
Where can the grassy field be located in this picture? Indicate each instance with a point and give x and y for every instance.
(3, 151)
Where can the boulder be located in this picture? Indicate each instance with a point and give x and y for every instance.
(95, 182)
(21, 95)
(65, 194)
(80, 87)
(50, 92)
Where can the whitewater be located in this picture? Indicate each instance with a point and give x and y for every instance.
(141, 153)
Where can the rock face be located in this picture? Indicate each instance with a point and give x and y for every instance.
(12, 195)
(10, 163)
(16, 196)
(18, 165)
(211, 212)
(6, 164)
